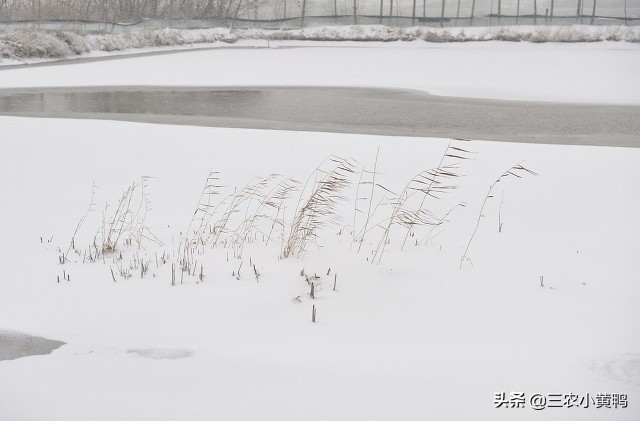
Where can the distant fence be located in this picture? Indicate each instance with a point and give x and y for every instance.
(315, 21)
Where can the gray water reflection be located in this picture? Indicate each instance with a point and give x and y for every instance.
(347, 110)
(15, 345)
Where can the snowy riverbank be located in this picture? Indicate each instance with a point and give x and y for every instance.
(28, 46)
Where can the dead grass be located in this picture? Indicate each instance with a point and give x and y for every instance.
(257, 213)
(317, 206)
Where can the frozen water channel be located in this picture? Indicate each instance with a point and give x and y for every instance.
(383, 111)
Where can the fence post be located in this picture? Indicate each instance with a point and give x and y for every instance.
(355, 12)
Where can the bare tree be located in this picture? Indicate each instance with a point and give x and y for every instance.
(235, 15)
(413, 13)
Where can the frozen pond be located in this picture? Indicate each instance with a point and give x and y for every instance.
(17, 345)
(333, 109)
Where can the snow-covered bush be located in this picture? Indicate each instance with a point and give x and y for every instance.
(445, 36)
(77, 43)
(28, 44)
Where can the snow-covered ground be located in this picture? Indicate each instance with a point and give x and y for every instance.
(414, 337)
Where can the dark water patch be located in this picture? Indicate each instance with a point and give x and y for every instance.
(399, 112)
(15, 345)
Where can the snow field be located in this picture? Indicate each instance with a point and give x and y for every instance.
(602, 73)
(412, 337)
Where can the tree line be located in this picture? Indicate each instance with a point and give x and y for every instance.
(137, 10)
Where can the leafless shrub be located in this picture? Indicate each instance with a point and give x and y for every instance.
(408, 209)
(204, 210)
(428, 236)
(324, 193)
(514, 171)
(447, 167)
(269, 202)
(253, 190)
(114, 226)
(282, 193)
(72, 244)
(255, 202)
(371, 195)
(123, 226)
